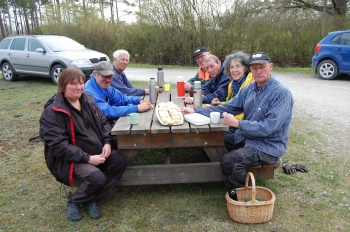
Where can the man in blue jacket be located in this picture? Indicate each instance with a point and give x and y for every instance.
(217, 86)
(120, 81)
(112, 102)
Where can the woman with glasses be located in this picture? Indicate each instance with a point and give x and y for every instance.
(236, 66)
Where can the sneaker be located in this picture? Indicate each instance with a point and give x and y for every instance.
(73, 213)
(94, 212)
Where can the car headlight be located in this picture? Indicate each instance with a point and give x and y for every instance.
(80, 62)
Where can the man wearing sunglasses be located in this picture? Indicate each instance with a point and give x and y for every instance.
(111, 101)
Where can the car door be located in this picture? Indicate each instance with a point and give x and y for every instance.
(36, 58)
(343, 51)
(17, 55)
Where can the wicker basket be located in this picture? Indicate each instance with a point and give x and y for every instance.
(251, 211)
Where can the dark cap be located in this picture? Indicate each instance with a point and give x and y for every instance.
(104, 68)
(198, 51)
(259, 58)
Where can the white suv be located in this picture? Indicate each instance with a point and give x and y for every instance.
(45, 55)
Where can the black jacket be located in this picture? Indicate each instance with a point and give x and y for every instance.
(57, 126)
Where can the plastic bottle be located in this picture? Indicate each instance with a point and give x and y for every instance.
(152, 90)
(197, 95)
(160, 77)
(180, 86)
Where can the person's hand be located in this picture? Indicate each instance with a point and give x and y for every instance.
(185, 110)
(215, 102)
(96, 160)
(157, 89)
(288, 168)
(187, 86)
(146, 91)
(230, 120)
(300, 168)
(188, 100)
(143, 107)
(106, 150)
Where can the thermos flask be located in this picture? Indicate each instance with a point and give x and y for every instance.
(180, 86)
(160, 76)
(152, 90)
(197, 95)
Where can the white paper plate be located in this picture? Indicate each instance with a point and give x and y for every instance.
(161, 122)
(197, 119)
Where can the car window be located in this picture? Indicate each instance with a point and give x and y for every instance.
(58, 44)
(5, 43)
(34, 44)
(345, 39)
(18, 44)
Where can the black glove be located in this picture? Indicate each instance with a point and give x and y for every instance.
(300, 168)
(288, 168)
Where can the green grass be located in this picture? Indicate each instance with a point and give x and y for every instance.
(31, 199)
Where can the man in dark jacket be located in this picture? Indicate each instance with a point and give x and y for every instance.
(217, 86)
(120, 81)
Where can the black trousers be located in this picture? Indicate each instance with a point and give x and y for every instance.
(97, 181)
(233, 164)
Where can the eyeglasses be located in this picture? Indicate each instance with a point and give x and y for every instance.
(200, 57)
(236, 67)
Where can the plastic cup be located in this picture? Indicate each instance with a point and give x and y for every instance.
(214, 117)
(167, 87)
(134, 118)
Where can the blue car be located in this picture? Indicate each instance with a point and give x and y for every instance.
(332, 55)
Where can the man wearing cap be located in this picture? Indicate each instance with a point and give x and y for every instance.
(202, 75)
(111, 101)
(262, 136)
(120, 81)
(217, 86)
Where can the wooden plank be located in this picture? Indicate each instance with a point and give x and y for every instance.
(122, 126)
(215, 153)
(172, 174)
(170, 140)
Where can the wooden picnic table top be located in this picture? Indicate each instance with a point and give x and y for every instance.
(149, 123)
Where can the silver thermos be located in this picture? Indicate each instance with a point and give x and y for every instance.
(160, 75)
(152, 90)
(197, 95)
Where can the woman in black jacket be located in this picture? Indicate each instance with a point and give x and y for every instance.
(77, 144)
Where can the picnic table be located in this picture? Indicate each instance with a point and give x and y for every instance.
(150, 133)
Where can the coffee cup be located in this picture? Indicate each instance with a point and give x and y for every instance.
(166, 87)
(134, 118)
(214, 117)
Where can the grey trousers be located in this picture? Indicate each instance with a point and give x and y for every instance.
(97, 181)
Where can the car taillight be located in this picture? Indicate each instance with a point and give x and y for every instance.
(318, 47)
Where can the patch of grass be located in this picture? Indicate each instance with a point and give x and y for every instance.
(32, 200)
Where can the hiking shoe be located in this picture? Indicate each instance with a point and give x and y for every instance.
(94, 212)
(73, 213)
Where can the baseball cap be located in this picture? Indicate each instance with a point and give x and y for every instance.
(259, 58)
(104, 68)
(199, 50)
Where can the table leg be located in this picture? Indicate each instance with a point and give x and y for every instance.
(215, 153)
(129, 155)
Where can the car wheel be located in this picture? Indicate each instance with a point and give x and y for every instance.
(55, 73)
(7, 72)
(327, 70)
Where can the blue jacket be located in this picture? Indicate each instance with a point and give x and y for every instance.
(112, 102)
(216, 87)
(267, 116)
(121, 83)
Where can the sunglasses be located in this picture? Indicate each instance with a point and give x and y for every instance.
(107, 77)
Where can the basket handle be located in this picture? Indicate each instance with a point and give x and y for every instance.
(251, 176)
